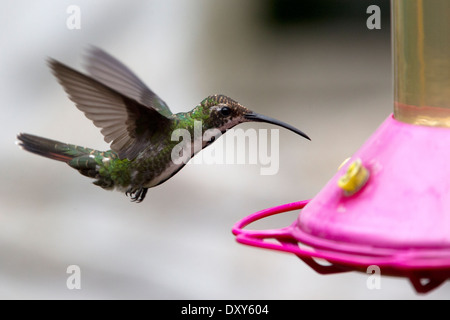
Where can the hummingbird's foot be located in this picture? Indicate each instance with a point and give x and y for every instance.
(136, 195)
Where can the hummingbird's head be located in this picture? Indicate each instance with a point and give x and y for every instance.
(222, 112)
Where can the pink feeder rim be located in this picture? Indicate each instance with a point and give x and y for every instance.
(399, 220)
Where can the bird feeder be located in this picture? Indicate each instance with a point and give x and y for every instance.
(389, 204)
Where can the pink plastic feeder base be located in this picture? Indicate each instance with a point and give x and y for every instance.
(399, 221)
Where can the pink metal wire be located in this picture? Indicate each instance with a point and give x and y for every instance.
(432, 265)
(291, 237)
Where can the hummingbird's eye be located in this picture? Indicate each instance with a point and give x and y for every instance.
(225, 111)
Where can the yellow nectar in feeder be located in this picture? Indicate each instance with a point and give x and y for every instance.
(354, 178)
(421, 46)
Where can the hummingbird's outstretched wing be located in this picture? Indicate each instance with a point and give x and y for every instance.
(125, 122)
(114, 74)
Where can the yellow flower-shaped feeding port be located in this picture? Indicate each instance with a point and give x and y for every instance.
(354, 178)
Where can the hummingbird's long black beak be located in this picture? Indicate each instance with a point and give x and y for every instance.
(252, 116)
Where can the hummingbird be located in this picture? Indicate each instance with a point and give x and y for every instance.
(137, 123)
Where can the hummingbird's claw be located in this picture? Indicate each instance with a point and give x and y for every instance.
(136, 195)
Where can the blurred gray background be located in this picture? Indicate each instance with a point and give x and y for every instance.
(313, 64)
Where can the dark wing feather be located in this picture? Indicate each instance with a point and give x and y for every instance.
(112, 73)
(125, 122)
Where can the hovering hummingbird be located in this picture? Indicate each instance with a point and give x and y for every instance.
(137, 122)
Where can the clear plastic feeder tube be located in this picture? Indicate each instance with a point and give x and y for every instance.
(421, 49)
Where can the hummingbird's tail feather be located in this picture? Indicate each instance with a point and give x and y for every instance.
(87, 161)
(50, 148)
